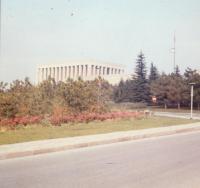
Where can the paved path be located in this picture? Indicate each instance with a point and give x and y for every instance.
(53, 145)
(178, 115)
(169, 161)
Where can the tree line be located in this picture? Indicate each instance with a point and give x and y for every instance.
(171, 89)
(21, 97)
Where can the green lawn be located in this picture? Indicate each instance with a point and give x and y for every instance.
(40, 132)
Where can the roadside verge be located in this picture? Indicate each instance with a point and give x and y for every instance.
(61, 144)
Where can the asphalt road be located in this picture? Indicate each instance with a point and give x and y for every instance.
(171, 162)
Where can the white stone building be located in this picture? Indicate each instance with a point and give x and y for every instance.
(87, 70)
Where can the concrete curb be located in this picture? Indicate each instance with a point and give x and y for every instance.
(56, 145)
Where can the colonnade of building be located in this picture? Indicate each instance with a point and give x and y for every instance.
(62, 73)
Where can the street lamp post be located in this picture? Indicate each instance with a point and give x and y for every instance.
(99, 87)
(192, 96)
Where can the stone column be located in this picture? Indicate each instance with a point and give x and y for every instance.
(59, 77)
(73, 72)
(92, 70)
(77, 71)
(56, 73)
(95, 70)
(49, 72)
(82, 71)
(108, 71)
(46, 73)
(69, 72)
(100, 70)
(61, 73)
(65, 73)
(53, 73)
(89, 71)
(42, 75)
(86, 71)
(112, 71)
(38, 75)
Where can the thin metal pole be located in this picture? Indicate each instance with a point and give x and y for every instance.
(174, 53)
(99, 88)
(192, 93)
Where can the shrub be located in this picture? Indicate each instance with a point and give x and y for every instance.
(58, 118)
(23, 120)
(88, 117)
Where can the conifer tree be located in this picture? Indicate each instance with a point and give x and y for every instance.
(141, 91)
(177, 71)
(153, 73)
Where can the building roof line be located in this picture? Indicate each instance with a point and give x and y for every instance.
(81, 62)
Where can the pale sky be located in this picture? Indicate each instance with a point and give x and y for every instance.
(45, 31)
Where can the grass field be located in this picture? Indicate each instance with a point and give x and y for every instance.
(40, 132)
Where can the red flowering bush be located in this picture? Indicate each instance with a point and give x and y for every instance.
(58, 118)
(23, 120)
(88, 117)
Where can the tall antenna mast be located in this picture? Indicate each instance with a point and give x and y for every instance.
(174, 53)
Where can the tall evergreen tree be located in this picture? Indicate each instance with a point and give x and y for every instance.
(153, 73)
(141, 91)
(177, 71)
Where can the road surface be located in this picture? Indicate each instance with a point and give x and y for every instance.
(170, 161)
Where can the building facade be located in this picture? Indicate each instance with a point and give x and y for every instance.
(87, 70)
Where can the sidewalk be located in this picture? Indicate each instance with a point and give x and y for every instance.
(61, 144)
